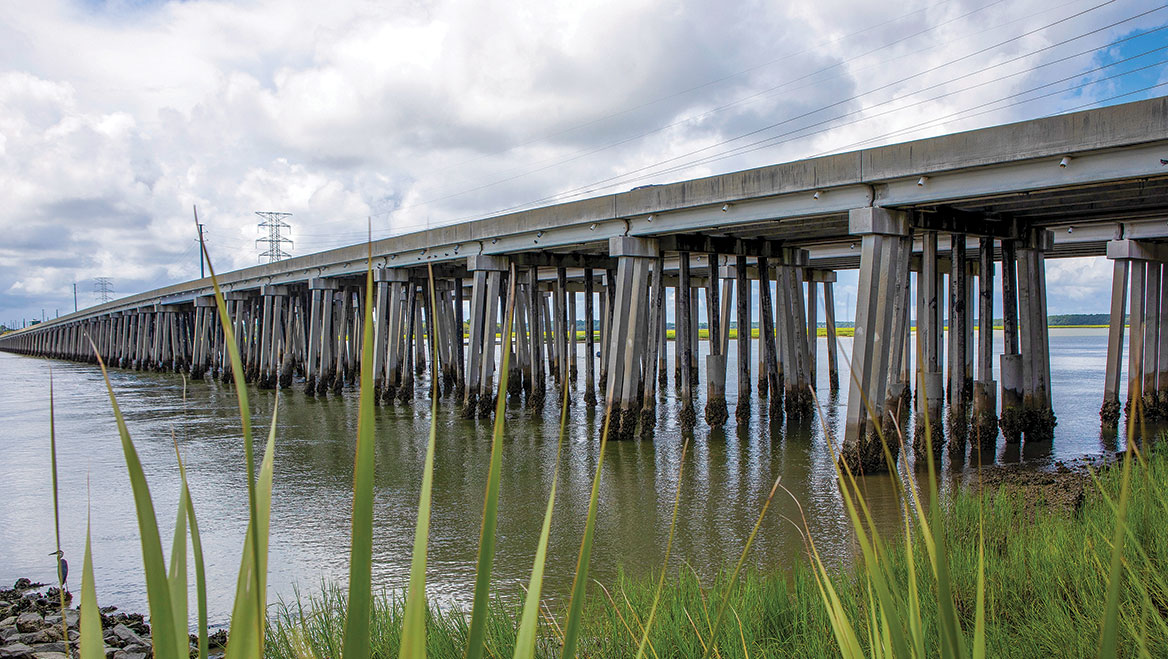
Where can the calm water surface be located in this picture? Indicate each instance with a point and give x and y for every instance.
(728, 473)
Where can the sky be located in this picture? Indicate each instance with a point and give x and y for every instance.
(117, 118)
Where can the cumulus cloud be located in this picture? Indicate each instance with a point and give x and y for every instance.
(117, 117)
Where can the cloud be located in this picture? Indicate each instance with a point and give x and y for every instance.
(116, 118)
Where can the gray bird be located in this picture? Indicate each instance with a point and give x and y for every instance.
(62, 568)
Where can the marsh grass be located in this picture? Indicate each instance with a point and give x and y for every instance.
(1046, 584)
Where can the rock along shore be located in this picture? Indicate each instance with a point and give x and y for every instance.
(30, 627)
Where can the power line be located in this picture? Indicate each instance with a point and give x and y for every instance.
(627, 177)
(274, 222)
(795, 133)
(750, 98)
(731, 76)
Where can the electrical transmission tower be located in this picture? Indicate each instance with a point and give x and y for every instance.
(274, 223)
(103, 289)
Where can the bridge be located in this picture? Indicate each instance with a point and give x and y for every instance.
(952, 213)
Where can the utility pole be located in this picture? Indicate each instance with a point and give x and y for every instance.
(274, 222)
(74, 297)
(103, 289)
(202, 245)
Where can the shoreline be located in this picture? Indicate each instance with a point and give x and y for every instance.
(31, 627)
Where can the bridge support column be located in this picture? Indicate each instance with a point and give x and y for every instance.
(380, 330)
(930, 333)
(154, 363)
(142, 339)
(663, 346)
(459, 340)
(898, 398)
(985, 402)
(768, 376)
(1039, 420)
(204, 316)
(421, 328)
(884, 259)
(1147, 339)
(312, 349)
(395, 342)
(960, 380)
(832, 337)
(1151, 340)
(812, 326)
(350, 337)
(450, 339)
(623, 400)
(293, 339)
(796, 357)
(684, 352)
(716, 414)
(537, 390)
(327, 369)
(727, 302)
(488, 273)
(573, 357)
(560, 329)
(1010, 369)
(742, 342)
(589, 341)
(655, 345)
(271, 334)
(405, 381)
(522, 384)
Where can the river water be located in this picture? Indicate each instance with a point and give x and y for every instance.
(728, 473)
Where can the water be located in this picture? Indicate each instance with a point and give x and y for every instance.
(727, 476)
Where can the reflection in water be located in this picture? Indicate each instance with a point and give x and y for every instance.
(727, 476)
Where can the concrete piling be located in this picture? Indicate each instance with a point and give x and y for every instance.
(985, 414)
(885, 247)
(716, 413)
(743, 340)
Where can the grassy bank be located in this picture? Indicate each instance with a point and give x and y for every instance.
(1046, 578)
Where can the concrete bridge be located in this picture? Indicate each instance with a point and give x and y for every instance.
(943, 211)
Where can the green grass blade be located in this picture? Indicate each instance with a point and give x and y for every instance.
(248, 614)
(1109, 634)
(197, 551)
(529, 621)
(157, 586)
(979, 625)
(478, 618)
(92, 643)
(580, 582)
(178, 578)
(413, 634)
(56, 503)
(357, 644)
(237, 375)
(665, 562)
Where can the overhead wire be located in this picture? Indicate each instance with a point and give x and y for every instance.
(627, 177)
(556, 161)
(737, 74)
(799, 133)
